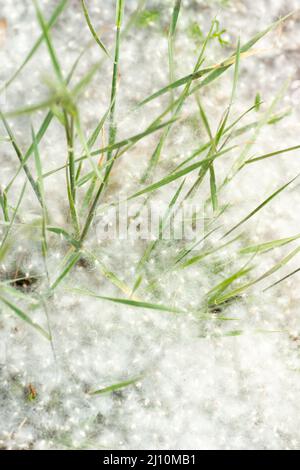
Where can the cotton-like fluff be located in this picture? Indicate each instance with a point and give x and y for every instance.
(204, 377)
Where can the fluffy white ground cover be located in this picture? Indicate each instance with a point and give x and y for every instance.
(200, 383)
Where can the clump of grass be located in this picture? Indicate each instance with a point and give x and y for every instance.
(67, 112)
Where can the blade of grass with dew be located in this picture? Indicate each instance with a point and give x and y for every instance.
(273, 154)
(222, 127)
(187, 250)
(40, 184)
(84, 143)
(92, 30)
(9, 227)
(71, 171)
(215, 292)
(263, 204)
(282, 279)
(204, 254)
(112, 132)
(213, 149)
(24, 317)
(3, 204)
(64, 234)
(130, 302)
(7, 287)
(90, 192)
(69, 130)
(73, 259)
(221, 130)
(115, 387)
(108, 274)
(276, 117)
(268, 246)
(171, 39)
(93, 207)
(136, 285)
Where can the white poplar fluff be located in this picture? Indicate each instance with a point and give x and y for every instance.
(192, 376)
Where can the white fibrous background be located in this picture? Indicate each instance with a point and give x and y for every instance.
(201, 383)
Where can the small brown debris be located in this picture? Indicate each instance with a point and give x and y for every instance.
(3, 30)
(25, 283)
(31, 392)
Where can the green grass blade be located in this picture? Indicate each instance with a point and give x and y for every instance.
(283, 279)
(171, 38)
(92, 30)
(213, 188)
(25, 317)
(222, 286)
(204, 254)
(273, 154)
(115, 387)
(9, 227)
(46, 34)
(263, 204)
(64, 234)
(130, 303)
(21, 158)
(174, 176)
(40, 184)
(267, 246)
(72, 260)
(108, 274)
(4, 205)
(269, 272)
(112, 124)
